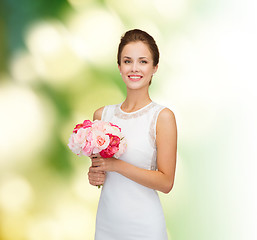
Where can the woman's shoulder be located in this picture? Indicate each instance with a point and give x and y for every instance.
(166, 120)
(98, 114)
(163, 110)
(165, 114)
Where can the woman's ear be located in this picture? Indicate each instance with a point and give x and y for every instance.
(155, 69)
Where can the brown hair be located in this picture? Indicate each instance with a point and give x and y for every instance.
(137, 35)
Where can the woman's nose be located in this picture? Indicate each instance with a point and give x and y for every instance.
(135, 67)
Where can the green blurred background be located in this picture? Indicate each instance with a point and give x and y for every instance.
(58, 64)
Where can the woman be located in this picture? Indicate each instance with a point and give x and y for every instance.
(129, 206)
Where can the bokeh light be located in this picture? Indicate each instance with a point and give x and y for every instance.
(99, 32)
(15, 194)
(50, 46)
(24, 125)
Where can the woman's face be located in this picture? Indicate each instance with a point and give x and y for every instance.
(136, 65)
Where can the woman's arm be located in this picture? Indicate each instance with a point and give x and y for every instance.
(166, 140)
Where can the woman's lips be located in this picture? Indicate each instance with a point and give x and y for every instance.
(135, 78)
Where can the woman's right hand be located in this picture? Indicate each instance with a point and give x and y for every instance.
(95, 177)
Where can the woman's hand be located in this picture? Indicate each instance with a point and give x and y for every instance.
(104, 164)
(96, 177)
(96, 174)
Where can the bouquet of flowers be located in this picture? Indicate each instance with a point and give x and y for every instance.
(95, 137)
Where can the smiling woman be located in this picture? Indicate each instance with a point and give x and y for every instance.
(130, 182)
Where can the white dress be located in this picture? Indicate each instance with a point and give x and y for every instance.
(128, 210)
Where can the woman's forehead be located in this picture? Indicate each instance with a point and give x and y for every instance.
(138, 49)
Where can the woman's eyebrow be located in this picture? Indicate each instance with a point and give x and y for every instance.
(130, 57)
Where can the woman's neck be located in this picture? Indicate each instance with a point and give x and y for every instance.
(135, 100)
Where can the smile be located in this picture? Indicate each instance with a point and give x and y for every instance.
(135, 78)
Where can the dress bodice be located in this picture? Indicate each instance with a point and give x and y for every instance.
(139, 129)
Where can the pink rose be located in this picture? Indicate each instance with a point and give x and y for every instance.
(77, 140)
(73, 146)
(112, 148)
(99, 125)
(113, 130)
(100, 141)
(85, 124)
(78, 126)
(115, 126)
(122, 148)
(87, 150)
(108, 152)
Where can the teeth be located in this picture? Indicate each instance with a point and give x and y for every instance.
(134, 77)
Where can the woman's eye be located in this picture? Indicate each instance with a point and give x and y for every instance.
(126, 61)
(143, 61)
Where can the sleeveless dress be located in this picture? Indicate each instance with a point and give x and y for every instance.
(128, 210)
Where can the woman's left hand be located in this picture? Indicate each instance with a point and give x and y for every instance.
(104, 164)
